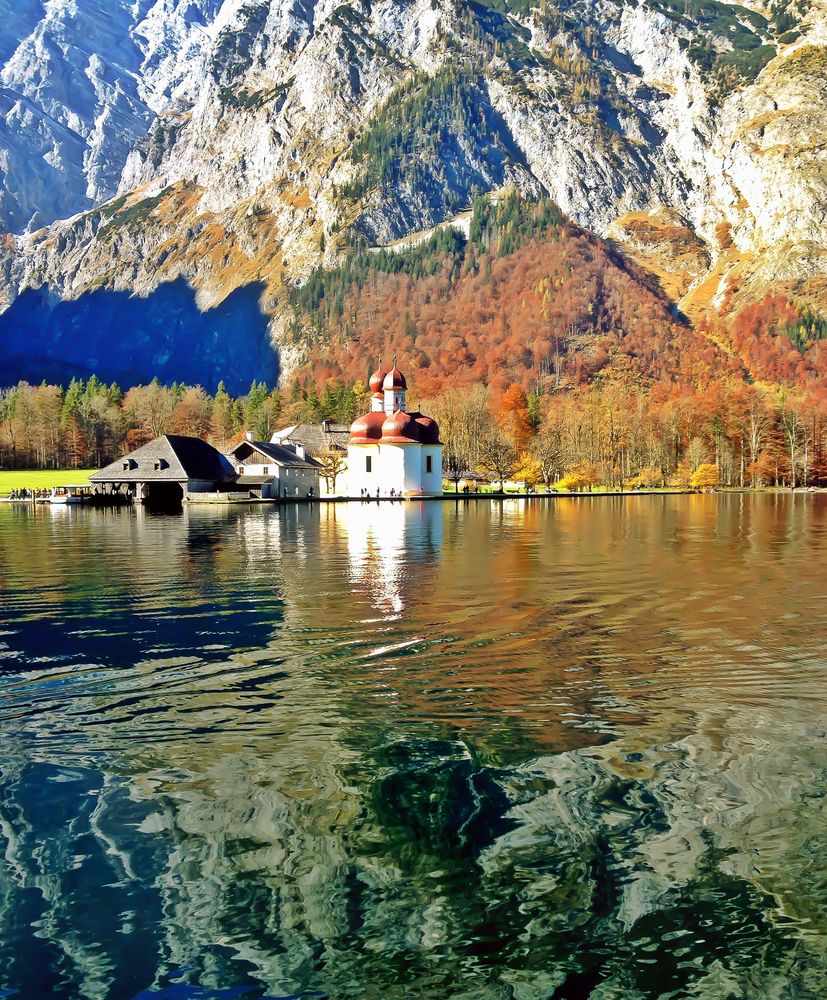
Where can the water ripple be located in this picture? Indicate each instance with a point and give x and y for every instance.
(420, 750)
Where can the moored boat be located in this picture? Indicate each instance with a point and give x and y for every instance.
(70, 495)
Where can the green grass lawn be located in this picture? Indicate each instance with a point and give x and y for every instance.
(41, 479)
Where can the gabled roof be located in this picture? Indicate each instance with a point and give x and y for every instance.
(314, 437)
(169, 458)
(275, 453)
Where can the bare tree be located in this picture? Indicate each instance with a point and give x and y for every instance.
(464, 419)
(497, 456)
(547, 449)
(758, 425)
(334, 463)
(794, 428)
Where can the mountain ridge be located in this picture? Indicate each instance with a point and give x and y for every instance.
(282, 135)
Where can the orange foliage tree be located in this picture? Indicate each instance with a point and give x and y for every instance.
(514, 418)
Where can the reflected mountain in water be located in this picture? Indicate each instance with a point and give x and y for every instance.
(452, 751)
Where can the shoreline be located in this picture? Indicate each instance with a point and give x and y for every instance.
(677, 491)
(463, 497)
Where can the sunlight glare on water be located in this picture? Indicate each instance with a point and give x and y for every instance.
(512, 750)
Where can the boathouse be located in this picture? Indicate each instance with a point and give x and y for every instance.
(164, 471)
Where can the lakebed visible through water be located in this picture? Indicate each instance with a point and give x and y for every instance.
(433, 750)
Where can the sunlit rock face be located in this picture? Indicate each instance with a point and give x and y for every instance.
(81, 83)
(248, 141)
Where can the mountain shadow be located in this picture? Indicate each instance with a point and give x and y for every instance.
(122, 338)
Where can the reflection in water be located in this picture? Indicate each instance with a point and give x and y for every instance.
(387, 546)
(402, 750)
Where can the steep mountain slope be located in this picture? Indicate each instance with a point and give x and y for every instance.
(128, 340)
(255, 139)
(526, 297)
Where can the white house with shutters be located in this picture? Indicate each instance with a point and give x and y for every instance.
(274, 470)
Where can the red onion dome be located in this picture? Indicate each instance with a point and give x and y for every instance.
(428, 430)
(394, 380)
(367, 428)
(400, 426)
(376, 381)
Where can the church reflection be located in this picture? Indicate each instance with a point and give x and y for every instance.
(387, 545)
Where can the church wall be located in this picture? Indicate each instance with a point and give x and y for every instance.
(357, 476)
(398, 467)
(412, 467)
(392, 462)
(432, 482)
(393, 467)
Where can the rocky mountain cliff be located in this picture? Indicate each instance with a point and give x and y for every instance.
(228, 142)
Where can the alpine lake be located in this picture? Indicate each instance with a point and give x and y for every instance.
(459, 750)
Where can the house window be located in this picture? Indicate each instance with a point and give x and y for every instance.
(241, 470)
(429, 464)
(368, 463)
(266, 470)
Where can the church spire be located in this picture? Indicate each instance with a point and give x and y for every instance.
(376, 385)
(395, 387)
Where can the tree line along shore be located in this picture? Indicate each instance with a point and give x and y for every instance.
(612, 436)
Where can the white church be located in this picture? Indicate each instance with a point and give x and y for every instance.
(391, 452)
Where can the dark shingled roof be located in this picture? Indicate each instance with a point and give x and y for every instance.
(246, 480)
(315, 437)
(169, 458)
(275, 453)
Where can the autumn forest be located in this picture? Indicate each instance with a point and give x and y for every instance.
(544, 353)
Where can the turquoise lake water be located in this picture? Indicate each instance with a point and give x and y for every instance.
(506, 751)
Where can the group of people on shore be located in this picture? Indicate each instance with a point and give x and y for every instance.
(365, 494)
(24, 494)
(391, 494)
